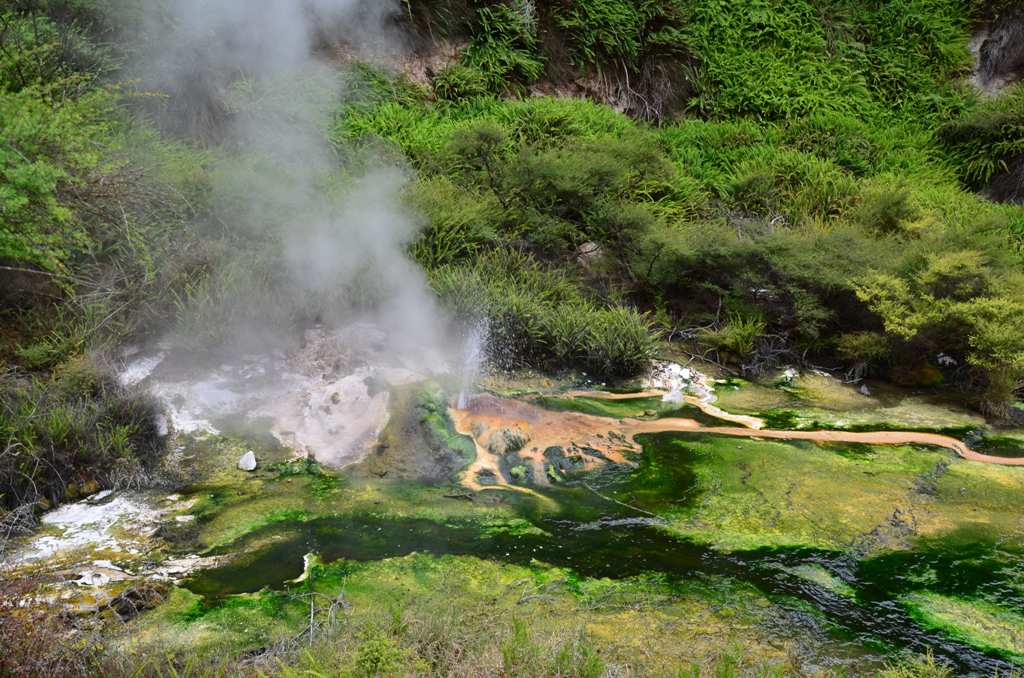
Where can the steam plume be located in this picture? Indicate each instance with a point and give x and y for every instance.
(257, 74)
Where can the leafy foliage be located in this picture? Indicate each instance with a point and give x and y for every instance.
(540, 319)
(50, 122)
(502, 55)
(617, 31)
(785, 222)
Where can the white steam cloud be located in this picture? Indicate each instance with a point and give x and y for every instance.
(260, 79)
(344, 231)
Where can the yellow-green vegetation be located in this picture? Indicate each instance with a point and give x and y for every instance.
(755, 493)
(812, 398)
(923, 666)
(90, 204)
(802, 206)
(975, 501)
(823, 578)
(618, 408)
(232, 503)
(767, 183)
(978, 623)
(460, 615)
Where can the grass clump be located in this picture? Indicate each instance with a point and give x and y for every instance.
(922, 666)
(501, 57)
(541, 319)
(987, 139)
(80, 426)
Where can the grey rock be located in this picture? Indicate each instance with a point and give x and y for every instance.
(1001, 49)
(247, 461)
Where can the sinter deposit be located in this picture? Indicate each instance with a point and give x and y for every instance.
(327, 399)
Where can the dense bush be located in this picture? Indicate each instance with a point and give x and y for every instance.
(779, 226)
(52, 132)
(801, 58)
(92, 205)
(501, 57)
(818, 195)
(610, 33)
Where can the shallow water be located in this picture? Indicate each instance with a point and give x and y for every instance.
(597, 537)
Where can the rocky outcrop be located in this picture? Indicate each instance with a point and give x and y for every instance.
(507, 440)
(1000, 49)
(1008, 185)
(655, 85)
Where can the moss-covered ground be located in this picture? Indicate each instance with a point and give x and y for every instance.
(976, 622)
(749, 493)
(414, 552)
(648, 407)
(426, 605)
(811, 399)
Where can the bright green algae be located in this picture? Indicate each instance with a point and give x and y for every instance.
(694, 620)
(979, 623)
(740, 494)
(712, 491)
(620, 408)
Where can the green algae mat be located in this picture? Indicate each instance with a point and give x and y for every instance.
(799, 554)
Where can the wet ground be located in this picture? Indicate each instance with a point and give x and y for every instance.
(866, 543)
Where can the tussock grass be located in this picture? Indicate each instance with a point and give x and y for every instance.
(80, 426)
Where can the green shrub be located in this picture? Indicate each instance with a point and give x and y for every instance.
(863, 346)
(787, 61)
(840, 138)
(55, 132)
(798, 185)
(459, 222)
(886, 210)
(47, 146)
(616, 32)
(961, 304)
(540, 319)
(736, 338)
(458, 81)
(984, 140)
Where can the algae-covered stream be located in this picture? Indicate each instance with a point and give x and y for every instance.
(787, 543)
(620, 523)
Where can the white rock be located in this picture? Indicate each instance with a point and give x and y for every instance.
(864, 390)
(247, 462)
(92, 578)
(138, 370)
(673, 396)
(99, 497)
